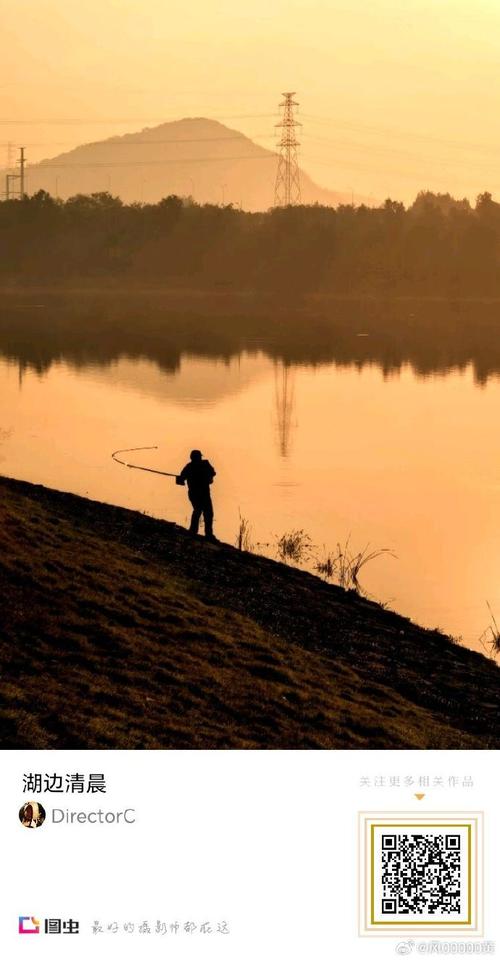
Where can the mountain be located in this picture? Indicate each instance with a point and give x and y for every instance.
(191, 157)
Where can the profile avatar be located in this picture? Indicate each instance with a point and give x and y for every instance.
(32, 814)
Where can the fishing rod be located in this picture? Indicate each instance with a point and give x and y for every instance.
(135, 466)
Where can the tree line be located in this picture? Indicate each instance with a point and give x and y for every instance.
(438, 246)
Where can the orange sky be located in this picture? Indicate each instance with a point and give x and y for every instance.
(395, 96)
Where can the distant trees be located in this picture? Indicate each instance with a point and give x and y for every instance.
(438, 246)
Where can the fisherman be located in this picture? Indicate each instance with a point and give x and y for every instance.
(199, 474)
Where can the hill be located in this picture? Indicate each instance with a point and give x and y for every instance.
(121, 631)
(192, 157)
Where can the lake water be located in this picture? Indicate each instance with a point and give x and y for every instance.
(393, 459)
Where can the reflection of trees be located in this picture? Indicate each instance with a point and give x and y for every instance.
(433, 337)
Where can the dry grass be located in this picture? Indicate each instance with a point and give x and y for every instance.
(326, 565)
(349, 565)
(342, 566)
(244, 535)
(120, 631)
(294, 547)
(490, 638)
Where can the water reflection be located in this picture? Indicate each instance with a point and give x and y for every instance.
(84, 329)
(284, 392)
(384, 437)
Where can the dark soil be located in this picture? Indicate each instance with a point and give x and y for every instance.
(121, 631)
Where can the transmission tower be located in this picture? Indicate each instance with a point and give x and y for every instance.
(287, 188)
(11, 192)
(10, 172)
(22, 163)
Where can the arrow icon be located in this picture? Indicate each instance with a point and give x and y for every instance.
(420, 796)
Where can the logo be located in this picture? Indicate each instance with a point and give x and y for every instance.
(29, 925)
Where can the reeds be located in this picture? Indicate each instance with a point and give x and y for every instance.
(490, 638)
(294, 547)
(244, 535)
(326, 566)
(344, 566)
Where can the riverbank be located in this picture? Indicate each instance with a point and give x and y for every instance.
(121, 631)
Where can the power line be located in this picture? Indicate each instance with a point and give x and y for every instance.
(335, 143)
(153, 143)
(132, 143)
(91, 121)
(314, 118)
(405, 174)
(404, 134)
(378, 158)
(395, 152)
(48, 165)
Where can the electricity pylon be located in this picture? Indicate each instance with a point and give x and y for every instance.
(21, 162)
(287, 188)
(11, 192)
(10, 171)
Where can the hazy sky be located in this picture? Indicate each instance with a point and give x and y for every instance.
(396, 95)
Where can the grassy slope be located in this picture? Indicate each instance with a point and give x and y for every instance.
(121, 631)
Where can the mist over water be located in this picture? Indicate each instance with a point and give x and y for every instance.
(376, 423)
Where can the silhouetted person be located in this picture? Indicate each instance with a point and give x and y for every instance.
(199, 474)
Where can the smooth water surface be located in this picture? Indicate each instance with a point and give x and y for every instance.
(398, 461)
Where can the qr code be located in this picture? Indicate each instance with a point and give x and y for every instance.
(421, 872)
